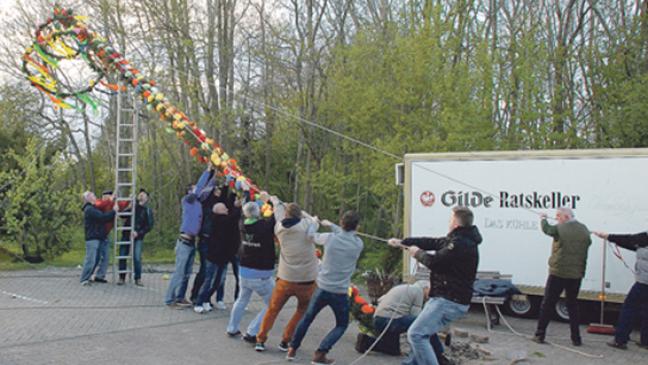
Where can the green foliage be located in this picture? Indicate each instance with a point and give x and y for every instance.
(39, 212)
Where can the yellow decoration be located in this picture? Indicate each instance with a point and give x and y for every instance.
(182, 125)
(159, 96)
(215, 159)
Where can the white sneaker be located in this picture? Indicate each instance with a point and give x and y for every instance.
(199, 309)
(207, 307)
(221, 305)
(85, 283)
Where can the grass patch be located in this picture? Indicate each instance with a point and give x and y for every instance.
(10, 257)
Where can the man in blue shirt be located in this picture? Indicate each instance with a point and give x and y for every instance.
(185, 245)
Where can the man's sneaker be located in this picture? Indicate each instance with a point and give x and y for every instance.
(617, 345)
(175, 306)
(85, 283)
(319, 358)
(645, 347)
(577, 342)
(249, 338)
(444, 360)
(259, 347)
(207, 307)
(199, 309)
(283, 346)
(121, 282)
(100, 280)
(538, 339)
(234, 334)
(184, 303)
(138, 282)
(220, 305)
(292, 354)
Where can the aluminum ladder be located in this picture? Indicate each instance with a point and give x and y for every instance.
(125, 178)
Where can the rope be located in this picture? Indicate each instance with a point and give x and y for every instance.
(617, 253)
(508, 325)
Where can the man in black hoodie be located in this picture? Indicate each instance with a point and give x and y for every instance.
(224, 242)
(453, 266)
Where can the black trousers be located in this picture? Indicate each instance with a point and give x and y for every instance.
(553, 289)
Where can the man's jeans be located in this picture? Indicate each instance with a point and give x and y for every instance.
(554, 287)
(210, 273)
(436, 314)
(137, 259)
(221, 275)
(401, 325)
(103, 257)
(263, 287)
(200, 276)
(90, 260)
(635, 304)
(339, 303)
(184, 261)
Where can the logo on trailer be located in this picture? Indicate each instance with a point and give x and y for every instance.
(427, 198)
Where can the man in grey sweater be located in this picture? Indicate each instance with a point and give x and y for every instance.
(342, 250)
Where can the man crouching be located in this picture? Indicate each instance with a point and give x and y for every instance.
(453, 266)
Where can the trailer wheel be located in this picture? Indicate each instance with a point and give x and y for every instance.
(561, 310)
(523, 306)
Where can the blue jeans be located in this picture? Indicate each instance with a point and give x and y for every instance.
(339, 303)
(200, 276)
(210, 274)
(137, 259)
(183, 266)
(90, 260)
(635, 304)
(221, 275)
(436, 314)
(103, 257)
(263, 287)
(401, 325)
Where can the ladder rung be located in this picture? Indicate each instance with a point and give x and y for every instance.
(123, 257)
(126, 140)
(127, 125)
(124, 214)
(124, 272)
(124, 199)
(125, 169)
(123, 228)
(125, 155)
(122, 243)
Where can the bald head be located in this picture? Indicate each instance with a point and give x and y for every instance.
(89, 197)
(564, 215)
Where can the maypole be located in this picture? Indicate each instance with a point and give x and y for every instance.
(66, 36)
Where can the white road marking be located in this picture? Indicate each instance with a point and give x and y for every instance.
(18, 296)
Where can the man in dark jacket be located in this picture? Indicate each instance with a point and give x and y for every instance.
(571, 241)
(453, 266)
(636, 302)
(95, 232)
(257, 266)
(224, 242)
(212, 194)
(143, 225)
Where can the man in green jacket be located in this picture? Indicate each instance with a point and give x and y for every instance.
(571, 240)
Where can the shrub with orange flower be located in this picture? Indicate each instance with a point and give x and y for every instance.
(362, 311)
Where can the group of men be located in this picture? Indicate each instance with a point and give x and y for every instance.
(223, 226)
(225, 229)
(99, 217)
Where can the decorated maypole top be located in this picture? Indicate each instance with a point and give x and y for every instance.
(66, 36)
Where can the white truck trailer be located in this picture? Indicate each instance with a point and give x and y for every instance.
(508, 190)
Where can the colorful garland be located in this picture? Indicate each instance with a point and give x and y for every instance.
(65, 36)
